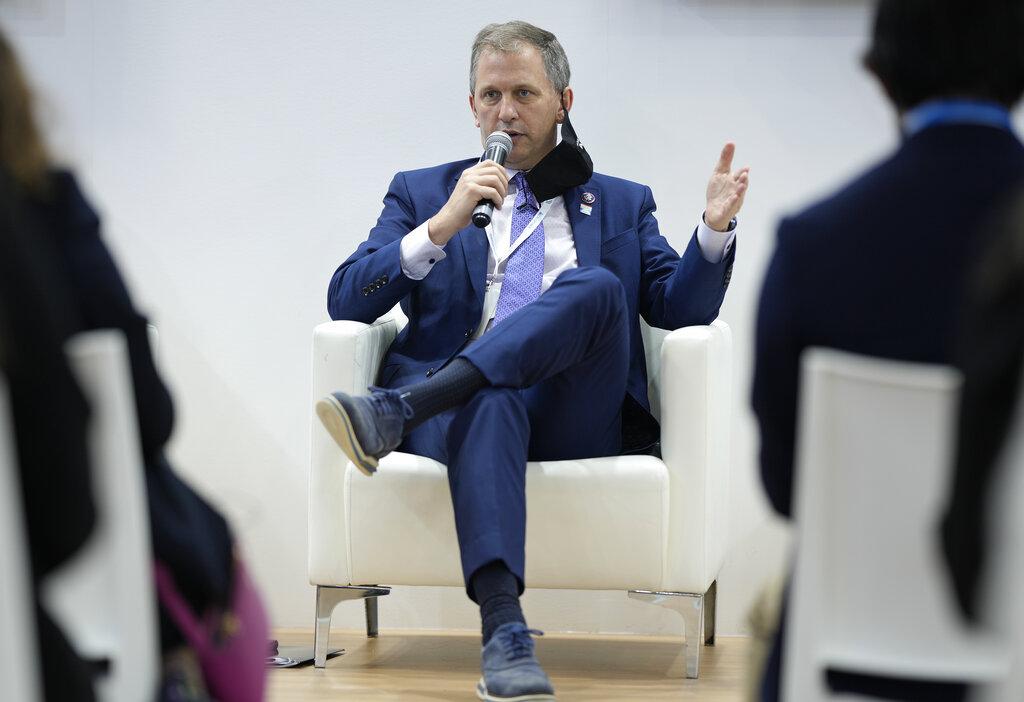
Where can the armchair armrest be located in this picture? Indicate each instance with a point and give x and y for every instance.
(695, 398)
(346, 358)
(347, 355)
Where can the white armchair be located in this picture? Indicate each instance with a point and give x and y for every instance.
(653, 527)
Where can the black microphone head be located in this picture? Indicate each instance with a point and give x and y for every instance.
(499, 139)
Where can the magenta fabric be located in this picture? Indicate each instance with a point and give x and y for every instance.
(232, 645)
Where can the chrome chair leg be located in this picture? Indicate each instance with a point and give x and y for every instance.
(371, 617)
(698, 613)
(710, 613)
(327, 598)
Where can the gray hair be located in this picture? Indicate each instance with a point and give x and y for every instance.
(510, 38)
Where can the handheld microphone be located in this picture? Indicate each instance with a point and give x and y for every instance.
(496, 148)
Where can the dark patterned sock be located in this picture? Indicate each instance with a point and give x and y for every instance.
(452, 386)
(496, 590)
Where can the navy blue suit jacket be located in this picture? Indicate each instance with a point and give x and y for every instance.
(876, 269)
(72, 229)
(621, 234)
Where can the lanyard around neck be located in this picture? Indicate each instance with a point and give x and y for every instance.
(530, 228)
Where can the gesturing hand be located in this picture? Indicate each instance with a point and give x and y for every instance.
(483, 181)
(725, 191)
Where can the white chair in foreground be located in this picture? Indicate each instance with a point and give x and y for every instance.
(19, 650)
(104, 597)
(869, 592)
(653, 527)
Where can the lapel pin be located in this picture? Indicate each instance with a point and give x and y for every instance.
(586, 200)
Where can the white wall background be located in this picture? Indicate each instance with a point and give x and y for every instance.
(238, 151)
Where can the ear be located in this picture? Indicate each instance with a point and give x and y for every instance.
(472, 106)
(566, 104)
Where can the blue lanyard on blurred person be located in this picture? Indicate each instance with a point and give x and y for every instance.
(956, 111)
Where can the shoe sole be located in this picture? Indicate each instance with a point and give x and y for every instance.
(335, 419)
(481, 692)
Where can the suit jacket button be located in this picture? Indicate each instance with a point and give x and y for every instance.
(384, 278)
(366, 291)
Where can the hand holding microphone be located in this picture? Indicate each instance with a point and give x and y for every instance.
(479, 189)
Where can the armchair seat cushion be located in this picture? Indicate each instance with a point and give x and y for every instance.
(601, 523)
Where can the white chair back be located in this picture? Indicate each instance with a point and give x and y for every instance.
(869, 592)
(154, 342)
(19, 650)
(104, 598)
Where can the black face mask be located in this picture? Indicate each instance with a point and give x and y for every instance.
(565, 166)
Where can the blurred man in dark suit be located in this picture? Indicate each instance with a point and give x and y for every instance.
(878, 267)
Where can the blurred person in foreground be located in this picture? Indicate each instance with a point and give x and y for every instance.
(53, 476)
(982, 529)
(523, 340)
(190, 539)
(878, 267)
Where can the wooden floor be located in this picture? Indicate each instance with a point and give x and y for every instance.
(421, 666)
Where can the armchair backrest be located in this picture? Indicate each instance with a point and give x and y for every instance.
(398, 315)
(653, 340)
(869, 593)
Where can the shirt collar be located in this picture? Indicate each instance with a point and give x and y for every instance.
(955, 111)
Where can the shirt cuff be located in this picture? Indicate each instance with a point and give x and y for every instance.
(418, 253)
(715, 245)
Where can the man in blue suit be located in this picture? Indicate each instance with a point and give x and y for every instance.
(523, 340)
(878, 268)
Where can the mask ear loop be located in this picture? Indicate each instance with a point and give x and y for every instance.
(567, 132)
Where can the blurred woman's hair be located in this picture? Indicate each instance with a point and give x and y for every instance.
(23, 153)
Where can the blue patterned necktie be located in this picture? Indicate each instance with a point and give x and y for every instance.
(524, 271)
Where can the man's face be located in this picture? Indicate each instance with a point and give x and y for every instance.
(514, 95)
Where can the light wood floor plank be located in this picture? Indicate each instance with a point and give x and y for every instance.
(431, 666)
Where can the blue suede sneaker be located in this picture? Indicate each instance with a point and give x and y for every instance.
(511, 671)
(367, 427)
